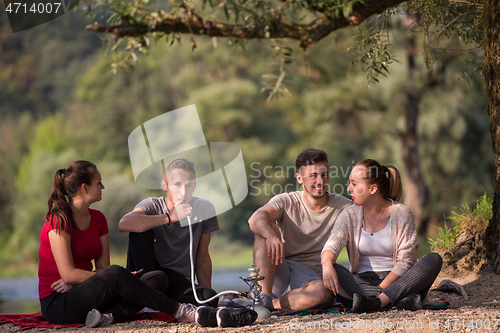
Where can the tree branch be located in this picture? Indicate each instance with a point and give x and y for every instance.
(307, 34)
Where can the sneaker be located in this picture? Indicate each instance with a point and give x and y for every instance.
(95, 318)
(267, 301)
(206, 316)
(411, 303)
(186, 313)
(235, 317)
(362, 303)
(239, 302)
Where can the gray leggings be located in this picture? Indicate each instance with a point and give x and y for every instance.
(417, 280)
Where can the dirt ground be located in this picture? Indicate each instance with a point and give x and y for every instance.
(480, 313)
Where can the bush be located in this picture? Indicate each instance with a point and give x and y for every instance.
(474, 221)
(445, 238)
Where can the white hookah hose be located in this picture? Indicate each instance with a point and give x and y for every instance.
(192, 271)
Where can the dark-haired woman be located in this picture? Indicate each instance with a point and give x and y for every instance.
(72, 237)
(381, 240)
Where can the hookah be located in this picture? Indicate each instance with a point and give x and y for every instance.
(254, 277)
(255, 290)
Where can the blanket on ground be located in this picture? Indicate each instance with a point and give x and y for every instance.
(339, 308)
(26, 321)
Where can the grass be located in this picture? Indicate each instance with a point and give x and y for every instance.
(445, 239)
(239, 257)
(474, 220)
(243, 258)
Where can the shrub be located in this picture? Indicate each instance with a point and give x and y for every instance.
(473, 220)
(445, 239)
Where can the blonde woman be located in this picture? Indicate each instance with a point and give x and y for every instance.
(381, 239)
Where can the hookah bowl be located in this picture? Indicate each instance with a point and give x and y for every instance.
(256, 289)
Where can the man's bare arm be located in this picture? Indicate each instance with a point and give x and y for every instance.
(138, 221)
(261, 224)
(260, 221)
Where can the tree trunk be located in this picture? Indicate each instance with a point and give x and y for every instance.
(416, 192)
(491, 19)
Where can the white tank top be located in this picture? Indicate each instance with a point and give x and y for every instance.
(376, 250)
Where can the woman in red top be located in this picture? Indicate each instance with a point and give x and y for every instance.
(72, 237)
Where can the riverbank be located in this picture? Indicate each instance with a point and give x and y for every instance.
(480, 313)
(20, 296)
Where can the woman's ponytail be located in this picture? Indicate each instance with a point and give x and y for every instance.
(395, 185)
(65, 186)
(57, 206)
(386, 177)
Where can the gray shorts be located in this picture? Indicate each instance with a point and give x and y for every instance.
(291, 275)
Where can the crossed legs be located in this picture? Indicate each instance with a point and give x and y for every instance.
(417, 280)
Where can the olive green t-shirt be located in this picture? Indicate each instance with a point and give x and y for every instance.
(304, 231)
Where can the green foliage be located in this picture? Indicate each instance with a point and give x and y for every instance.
(330, 108)
(49, 137)
(448, 18)
(474, 220)
(251, 19)
(40, 66)
(374, 47)
(457, 21)
(119, 197)
(227, 254)
(445, 239)
(50, 150)
(30, 205)
(275, 83)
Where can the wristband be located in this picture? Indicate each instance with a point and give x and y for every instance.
(169, 220)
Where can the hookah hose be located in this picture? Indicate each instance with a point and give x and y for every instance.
(192, 271)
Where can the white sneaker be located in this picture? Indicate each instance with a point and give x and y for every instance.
(95, 318)
(186, 313)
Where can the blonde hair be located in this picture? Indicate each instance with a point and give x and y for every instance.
(386, 177)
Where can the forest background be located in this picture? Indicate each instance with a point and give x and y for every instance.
(61, 101)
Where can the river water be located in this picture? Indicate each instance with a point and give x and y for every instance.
(27, 288)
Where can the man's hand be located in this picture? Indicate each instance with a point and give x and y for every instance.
(60, 286)
(330, 278)
(275, 249)
(180, 211)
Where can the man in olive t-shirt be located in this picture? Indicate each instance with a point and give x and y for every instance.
(289, 252)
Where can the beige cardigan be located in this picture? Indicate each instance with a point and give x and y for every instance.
(347, 230)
